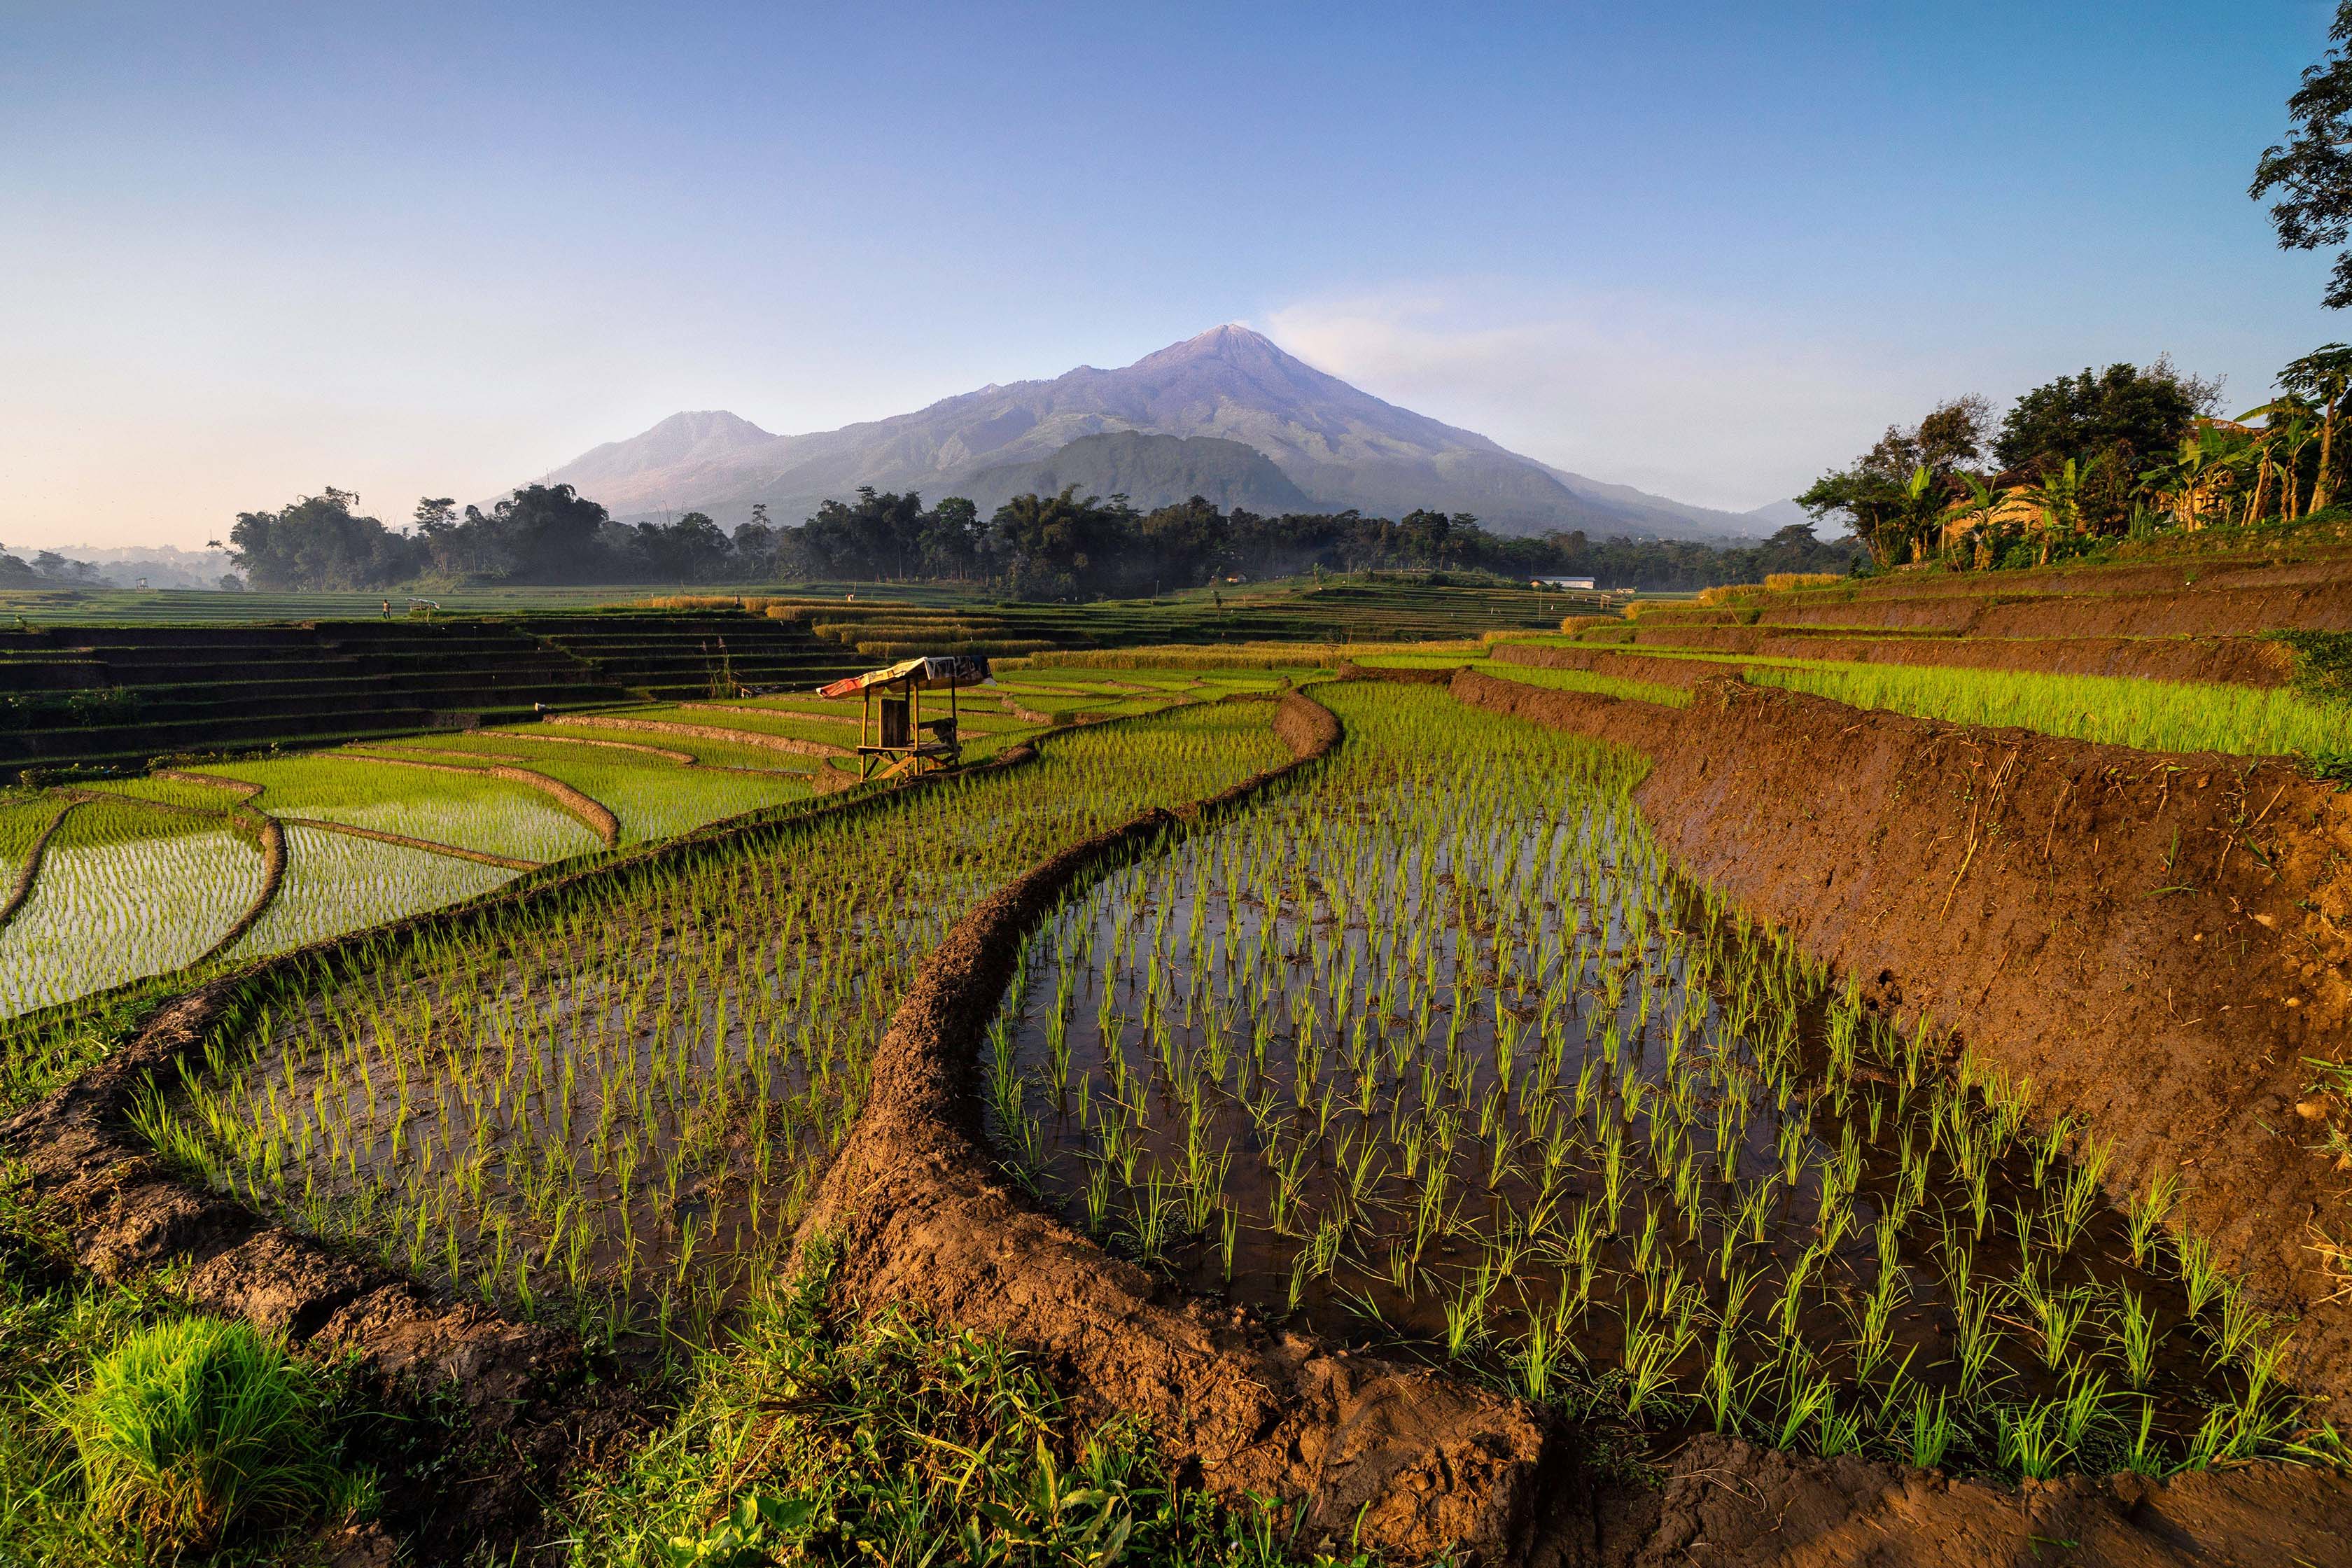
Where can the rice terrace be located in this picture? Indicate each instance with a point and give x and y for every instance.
(1179, 963)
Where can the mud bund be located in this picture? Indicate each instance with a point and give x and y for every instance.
(1411, 1462)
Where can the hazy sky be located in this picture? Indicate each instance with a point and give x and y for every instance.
(251, 251)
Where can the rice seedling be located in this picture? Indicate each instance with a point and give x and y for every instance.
(609, 1105)
(2152, 715)
(652, 793)
(124, 890)
(477, 813)
(1480, 1059)
(335, 884)
(194, 1429)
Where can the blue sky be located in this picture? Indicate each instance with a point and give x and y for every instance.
(249, 251)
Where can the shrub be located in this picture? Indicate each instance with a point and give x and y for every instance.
(195, 1427)
(2323, 663)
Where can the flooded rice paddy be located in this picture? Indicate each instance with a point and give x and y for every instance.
(1435, 1051)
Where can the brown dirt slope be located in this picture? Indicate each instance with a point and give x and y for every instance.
(2156, 941)
(1725, 1504)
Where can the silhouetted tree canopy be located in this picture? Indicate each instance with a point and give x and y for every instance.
(2312, 168)
(1061, 546)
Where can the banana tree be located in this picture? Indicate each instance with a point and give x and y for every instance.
(2267, 439)
(1984, 501)
(2059, 494)
(2206, 462)
(2322, 377)
(1920, 506)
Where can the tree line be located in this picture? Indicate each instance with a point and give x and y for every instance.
(1061, 546)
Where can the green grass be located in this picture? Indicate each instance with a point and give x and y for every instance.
(195, 1430)
(2150, 715)
(898, 1440)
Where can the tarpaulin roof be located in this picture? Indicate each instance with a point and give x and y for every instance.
(929, 672)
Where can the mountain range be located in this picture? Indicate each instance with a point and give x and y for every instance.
(1226, 415)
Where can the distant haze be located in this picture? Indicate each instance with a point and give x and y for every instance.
(1216, 401)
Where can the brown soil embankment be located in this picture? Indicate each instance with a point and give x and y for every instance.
(2242, 570)
(1411, 1463)
(2158, 942)
(2233, 660)
(1729, 1504)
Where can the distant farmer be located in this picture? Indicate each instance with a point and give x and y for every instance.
(388, 609)
(539, 709)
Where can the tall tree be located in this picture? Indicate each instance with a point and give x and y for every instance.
(548, 533)
(2312, 168)
(2120, 415)
(319, 541)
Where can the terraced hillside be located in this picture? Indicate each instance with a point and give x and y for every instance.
(2194, 617)
(118, 697)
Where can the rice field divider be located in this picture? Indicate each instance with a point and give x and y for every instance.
(595, 814)
(807, 715)
(664, 753)
(914, 1154)
(430, 846)
(267, 833)
(683, 759)
(21, 889)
